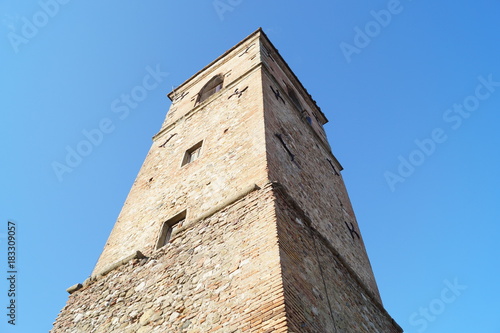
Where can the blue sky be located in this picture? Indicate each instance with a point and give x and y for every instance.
(411, 89)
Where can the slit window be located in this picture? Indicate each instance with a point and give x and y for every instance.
(192, 154)
(294, 98)
(280, 138)
(170, 228)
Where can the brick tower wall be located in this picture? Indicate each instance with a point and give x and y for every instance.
(303, 163)
(265, 246)
(322, 294)
(221, 274)
(232, 156)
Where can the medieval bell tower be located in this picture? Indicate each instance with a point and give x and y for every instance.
(238, 221)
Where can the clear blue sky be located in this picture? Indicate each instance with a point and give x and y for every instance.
(411, 88)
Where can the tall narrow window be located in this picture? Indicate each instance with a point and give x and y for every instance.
(280, 138)
(170, 228)
(293, 96)
(192, 153)
(212, 86)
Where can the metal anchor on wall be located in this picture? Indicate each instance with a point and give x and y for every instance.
(238, 92)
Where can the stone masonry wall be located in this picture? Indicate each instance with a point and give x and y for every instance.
(232, 156)
(321, 294)
(301, 161)
(221, 274)
(233, 65)
(270, 242)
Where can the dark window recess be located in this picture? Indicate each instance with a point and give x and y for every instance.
(270, 56)
(352, 230)
(333, 167)
(170, 228)
(192, 154)
(294, 98)
(280, 137)
(277, 94)
(170, 137)
(309, 120)
(212, 86)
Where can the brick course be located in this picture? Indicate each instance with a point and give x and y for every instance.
(221, 274)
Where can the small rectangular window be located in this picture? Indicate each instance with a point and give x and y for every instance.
(170, 228)
(192, 154)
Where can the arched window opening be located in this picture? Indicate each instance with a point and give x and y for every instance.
(212, 86)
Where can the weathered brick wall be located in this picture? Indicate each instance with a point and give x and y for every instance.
(232, 156)
(221, 274)
(233, 65)
(322, 295)
(308, 175)
(277, 259)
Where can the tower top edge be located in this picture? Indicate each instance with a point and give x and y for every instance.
(260, 33)
(243, 41)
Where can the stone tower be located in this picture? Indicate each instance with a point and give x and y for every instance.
(239, 220)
